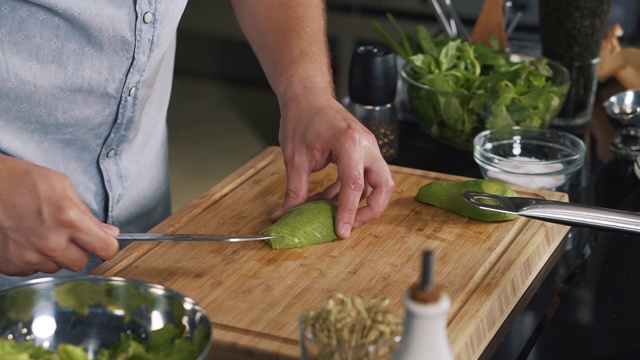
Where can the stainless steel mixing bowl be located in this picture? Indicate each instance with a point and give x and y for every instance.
(94, 311)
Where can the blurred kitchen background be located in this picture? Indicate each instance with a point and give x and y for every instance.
(222, 111)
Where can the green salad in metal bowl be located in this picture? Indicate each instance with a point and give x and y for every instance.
(101, 318)
(457, 88)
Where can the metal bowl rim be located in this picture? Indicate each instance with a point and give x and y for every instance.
(101, 279)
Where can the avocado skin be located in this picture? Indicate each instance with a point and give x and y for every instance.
(310, 223)
(449, 195)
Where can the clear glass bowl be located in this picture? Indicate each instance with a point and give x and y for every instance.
(534, 158)
(431, 115)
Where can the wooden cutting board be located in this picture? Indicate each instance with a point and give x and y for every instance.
(255, 295)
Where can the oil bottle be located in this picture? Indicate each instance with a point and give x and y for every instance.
(425, 326)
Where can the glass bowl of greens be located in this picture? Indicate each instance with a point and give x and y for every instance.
(456, 88)
(481, 92)
(99, 317)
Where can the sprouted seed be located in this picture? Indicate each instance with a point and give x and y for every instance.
(348, 328)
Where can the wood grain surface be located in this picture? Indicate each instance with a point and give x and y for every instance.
(255, 295)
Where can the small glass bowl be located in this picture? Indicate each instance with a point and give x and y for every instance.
(534, 158)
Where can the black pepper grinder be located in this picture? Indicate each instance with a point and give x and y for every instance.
(373, 78)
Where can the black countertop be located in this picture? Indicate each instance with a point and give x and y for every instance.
(587, 304)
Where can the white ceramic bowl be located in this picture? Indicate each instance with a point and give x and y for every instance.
(535, 158)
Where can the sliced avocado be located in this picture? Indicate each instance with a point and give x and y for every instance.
(306, 224)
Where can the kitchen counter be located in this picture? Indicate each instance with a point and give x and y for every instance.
(586, 306)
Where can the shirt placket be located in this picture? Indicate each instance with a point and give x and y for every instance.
(114, 179)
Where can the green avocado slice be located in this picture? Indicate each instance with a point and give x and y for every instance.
(306, 224)
(449, 195)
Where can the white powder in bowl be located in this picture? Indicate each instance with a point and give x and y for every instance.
(529, 172)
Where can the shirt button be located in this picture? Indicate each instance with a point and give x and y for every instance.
(147, 17)
(132, 91)
(110, 153)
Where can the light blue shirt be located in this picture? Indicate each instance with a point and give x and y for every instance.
(84, 90)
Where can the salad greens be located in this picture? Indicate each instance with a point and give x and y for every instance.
(11, 350)
(469, 87)
(166, 343)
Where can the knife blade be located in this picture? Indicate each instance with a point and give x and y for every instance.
(559, 212)
(190, 237)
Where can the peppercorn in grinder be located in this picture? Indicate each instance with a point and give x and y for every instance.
(373, 79)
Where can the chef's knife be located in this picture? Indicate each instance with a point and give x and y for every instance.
(558, 212)
(190, 237)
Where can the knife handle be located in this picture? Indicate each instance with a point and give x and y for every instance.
(559, 212)
(572, 214)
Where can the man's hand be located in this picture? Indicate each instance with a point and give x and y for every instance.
(316, 131)
(44, 225)
(289, 38)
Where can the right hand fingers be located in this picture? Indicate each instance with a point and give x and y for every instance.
(44, 225)
(52, 253)
(66, 248)
(28, 261)
(94, 236)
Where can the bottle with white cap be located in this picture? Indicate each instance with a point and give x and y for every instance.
(425, 326)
